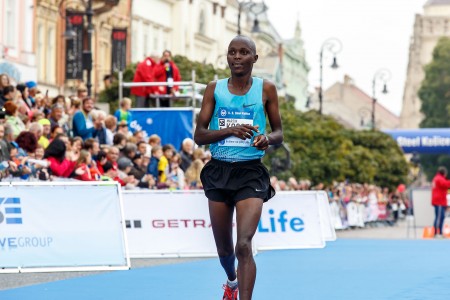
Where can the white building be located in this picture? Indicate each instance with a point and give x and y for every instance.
(17, 55)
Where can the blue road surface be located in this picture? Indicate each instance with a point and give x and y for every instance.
(345, 269)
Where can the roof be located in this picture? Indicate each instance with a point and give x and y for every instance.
(437, 2)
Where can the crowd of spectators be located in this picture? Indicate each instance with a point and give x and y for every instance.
(44, 138)
(355, 205)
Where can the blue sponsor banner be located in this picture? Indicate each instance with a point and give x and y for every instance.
(173, 125)
(423, 140)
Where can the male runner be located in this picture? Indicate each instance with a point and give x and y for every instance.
(233, 121)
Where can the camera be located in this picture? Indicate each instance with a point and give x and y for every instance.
(2, 112)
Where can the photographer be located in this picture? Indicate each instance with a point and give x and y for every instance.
(167, 71)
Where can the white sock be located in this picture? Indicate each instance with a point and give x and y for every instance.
(232, 284)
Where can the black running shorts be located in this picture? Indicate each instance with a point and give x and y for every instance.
(231, 182)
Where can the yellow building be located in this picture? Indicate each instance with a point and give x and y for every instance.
(50, 45)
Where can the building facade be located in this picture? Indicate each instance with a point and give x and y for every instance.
(428, 29)
(17, 55)
(202, 29)
(50, 44)
(352, 107)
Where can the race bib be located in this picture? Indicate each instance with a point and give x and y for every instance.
(229, 117)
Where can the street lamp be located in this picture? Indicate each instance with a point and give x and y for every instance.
(334, 46)
(255, 9)
(71, 34)
(384, 75)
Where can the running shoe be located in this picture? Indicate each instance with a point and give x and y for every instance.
(229, 293)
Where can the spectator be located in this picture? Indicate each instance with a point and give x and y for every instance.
(167, 71)
(130, 150)
(123, 129)
(56, 117)
(9, 93)
(100, 161)
(154, 140)
(123, 114)
(113, 155)
(56, 156)
(82, 165)
(24, 103)
(55, 131)
(82, 124)
(440, 186)
(4, 82)
(119, 141)
(110, 172)
(98, 117)
(187, 149)
(92, 146)
(163, 164)
(152, 168)
(177, 175)
(39, 152)
(4, 151)
(46, 131)
(32, 91)
(144, 73)
(142, 148)
(107, 81)
(192, 174)
(82, 92)
(12, 118)
(110, 125)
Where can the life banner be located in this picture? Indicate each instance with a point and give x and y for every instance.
(61, 226)
(168, 224)
(292, 220)
(173, 125)
(74, 46)
(119, 49)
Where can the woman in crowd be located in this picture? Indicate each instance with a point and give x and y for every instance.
(59, 164)
(12, 118)
(192, 174)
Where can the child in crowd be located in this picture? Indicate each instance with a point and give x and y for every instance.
(123, 114)
(82, 164)
(152, 168)
(192, 174)
(163, 164)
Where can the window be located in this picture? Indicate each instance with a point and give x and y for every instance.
(50, 63)
(201, 22)
(40, 52)
(10, 20)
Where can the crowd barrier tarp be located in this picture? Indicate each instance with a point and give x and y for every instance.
(61, 226)
(327, 226)
(423, 210)
(423, 140)
(177, 224)
(173, 125)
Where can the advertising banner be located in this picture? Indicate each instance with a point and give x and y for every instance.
(119, 49)
(424, 140)
(177, 224)
(61, 225)
(291, 220)
(74, 46)
(328, 230)
(173, 125)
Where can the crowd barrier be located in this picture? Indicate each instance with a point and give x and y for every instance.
(61, 226)
(74, 226)
(176, 223)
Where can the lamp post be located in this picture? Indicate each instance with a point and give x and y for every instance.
(334, 46)
(383, 75)
(71, 34)
(254, 9)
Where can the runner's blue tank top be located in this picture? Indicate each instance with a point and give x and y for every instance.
(232, 110)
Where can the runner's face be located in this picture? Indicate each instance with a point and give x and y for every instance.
(240, 57)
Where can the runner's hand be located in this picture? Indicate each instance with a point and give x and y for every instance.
(261, 142)
(244, 131)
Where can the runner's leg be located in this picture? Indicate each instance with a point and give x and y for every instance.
(248, 213)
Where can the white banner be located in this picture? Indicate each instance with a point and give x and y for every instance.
(327, 222)
(168, 224)
(291, 220)
(61, 225)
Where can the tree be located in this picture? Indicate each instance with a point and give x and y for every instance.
(322, 150)
(435, 95)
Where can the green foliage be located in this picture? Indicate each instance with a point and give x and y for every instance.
(204, 74)
(322, 150)
(111, 95)
(435, 95)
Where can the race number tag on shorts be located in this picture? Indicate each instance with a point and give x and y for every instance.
(229, 117)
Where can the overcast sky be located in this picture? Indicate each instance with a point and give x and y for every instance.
(375, 34)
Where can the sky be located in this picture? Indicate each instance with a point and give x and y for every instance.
(375, 35)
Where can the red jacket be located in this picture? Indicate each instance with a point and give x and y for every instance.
(440, 185)
(160, 76)
(145, 72)
(61, 168)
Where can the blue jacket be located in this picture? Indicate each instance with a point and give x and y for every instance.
(153, 167)
(79, 126)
